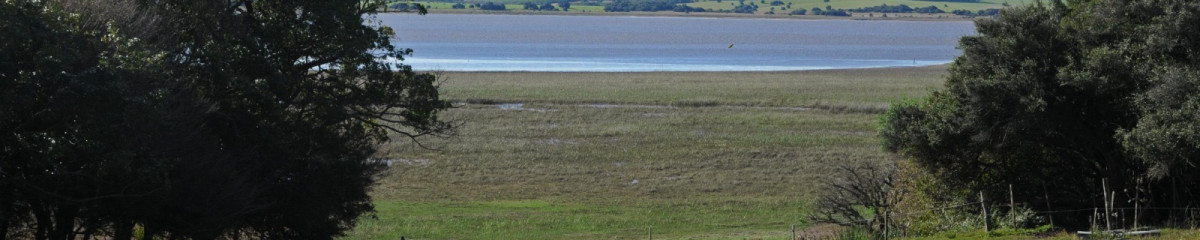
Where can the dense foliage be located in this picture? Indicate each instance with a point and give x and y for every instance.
(983, 12)
(197, 119)
(490, 6)
(897, 9)
(1063, 101)
(643, 5)
(547, 6)
(830, 12)
(750, 9)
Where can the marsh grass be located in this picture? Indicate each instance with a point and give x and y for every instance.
(690, 155)
(861, 87)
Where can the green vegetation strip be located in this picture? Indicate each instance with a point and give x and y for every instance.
(870, 88)
(738, 156)
(535, 219)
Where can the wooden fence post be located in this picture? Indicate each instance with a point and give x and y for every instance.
(886, 224)
(1137, 197)
(1104, 196)
(1049, 210)
(1107, 218)
(985, 216)
(1012, 207)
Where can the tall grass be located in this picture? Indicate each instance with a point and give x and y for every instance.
(864, 87)
(693, 155)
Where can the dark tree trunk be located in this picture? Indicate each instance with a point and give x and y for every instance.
(42, 218)
(148, 233)
(6, 213)
(64, 223)
(123, 230)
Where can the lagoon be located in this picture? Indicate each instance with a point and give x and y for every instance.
(549, 43)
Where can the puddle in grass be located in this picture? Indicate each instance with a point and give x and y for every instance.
(409, 162)
(511, 106)
(521, 107)
(624, 106)
(555, 141)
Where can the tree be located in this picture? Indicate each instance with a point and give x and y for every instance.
(66, 112)
(863, 195)
(492, 6)
(198, 119)
(566, 6)
(1065, 100)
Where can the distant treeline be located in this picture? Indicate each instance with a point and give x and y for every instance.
(742, 7)
(984, 12)
(490, 6)
(548, 6)
(650, 6)
(402, 7)
(828, 11)
(897, 9)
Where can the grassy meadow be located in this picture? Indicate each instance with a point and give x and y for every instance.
(719, 155)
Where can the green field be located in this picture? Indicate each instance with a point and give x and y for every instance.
(687, 155)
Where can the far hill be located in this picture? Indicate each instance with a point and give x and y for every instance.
(833, 8)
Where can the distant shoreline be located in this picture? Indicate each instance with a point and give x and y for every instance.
(858, 17)
(846, 70)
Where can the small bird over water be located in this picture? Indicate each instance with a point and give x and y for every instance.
(730, 45)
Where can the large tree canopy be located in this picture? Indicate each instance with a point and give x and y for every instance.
(1061, 99)
(198, 119)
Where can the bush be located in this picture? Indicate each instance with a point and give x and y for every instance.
(643, 5)
(491, 6)
(861, 196)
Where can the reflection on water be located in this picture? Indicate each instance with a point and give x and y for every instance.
(456, 42)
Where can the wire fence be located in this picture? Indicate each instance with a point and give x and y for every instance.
(1110, 219)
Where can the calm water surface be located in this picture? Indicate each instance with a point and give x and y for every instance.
(457, 42)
